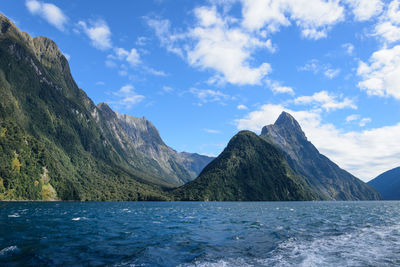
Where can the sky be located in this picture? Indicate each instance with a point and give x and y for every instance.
(200, 71)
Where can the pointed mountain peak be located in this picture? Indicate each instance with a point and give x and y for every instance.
(286, 120)
(285, 125)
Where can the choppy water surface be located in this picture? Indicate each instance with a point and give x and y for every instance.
(200, 234)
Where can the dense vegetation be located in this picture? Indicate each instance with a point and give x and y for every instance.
(249, 169)
(388, 184)
(51, 147)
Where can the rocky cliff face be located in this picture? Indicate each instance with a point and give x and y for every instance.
(325, 178)
(140, 138)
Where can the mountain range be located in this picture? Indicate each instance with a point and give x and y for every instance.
(55, 143)
(280, 164)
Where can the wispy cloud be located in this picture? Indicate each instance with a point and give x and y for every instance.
(353, 117)
(50, 12)
(98, 32)
(211, 131)
(278, 88)
(208, 95)
(127, 97)
(317, 67)
(326, 101)
(349, 48)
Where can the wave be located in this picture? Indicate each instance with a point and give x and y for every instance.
(9, 250)
(79, 218)
(368, 246)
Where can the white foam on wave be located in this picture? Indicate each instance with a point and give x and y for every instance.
(230, 262)
(15, 215)
(79, 218)
(8, 250)
(369, 246)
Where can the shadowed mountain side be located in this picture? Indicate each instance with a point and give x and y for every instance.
(388, 184)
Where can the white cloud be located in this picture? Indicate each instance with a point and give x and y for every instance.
(155, 72)
(169, 40)
(331, 73)
(393, 12)
(389, 25)
(51, 13)
(277, 88)
(314, 17)
(127, 97)
(141, 40)
(216, 43)
(381, 76)
(207, 95)
(167, 89)
(132, 57)
(352, 117)
(365, 9)
(110, 63)
(225, 49)
(365, 153)
(364, 121)
(317, 67)
(313, 66)
(241, 107)
(212, 131)
(258, 14)
(349, 48)
(326, 101)
(388, 31)
(98, 32)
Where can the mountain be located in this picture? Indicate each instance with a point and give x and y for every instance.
(138, 137)
(388, 184)
(249, 169)
(55, 143)
(325, 178)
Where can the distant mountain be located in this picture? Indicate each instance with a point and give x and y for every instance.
(249, 169)
(139, 136)
(388, 184)
(55, 143)
(325, 178)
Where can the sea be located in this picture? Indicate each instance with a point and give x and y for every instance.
(200, 233)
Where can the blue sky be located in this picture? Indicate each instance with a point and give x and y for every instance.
(203, 70)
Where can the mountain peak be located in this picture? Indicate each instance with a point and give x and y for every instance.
(285, 125)
(286, 120)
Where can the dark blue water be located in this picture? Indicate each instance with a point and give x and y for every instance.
(200, 234)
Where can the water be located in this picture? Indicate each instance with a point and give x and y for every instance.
(200, 234)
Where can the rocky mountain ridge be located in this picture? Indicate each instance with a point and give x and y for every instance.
(325, 178)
